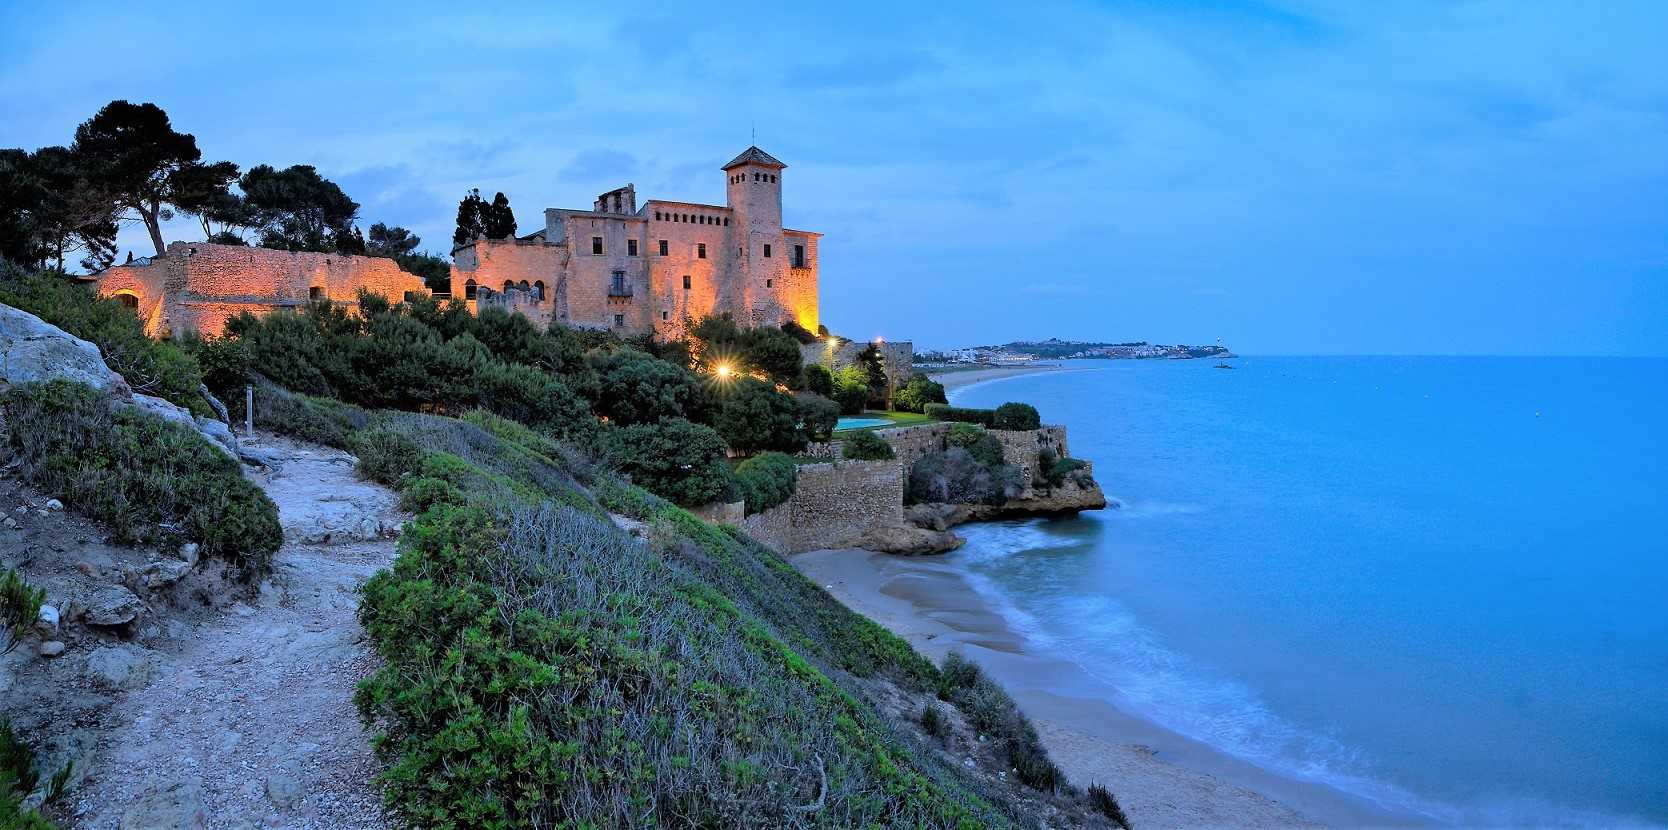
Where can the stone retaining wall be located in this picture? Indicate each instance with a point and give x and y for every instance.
(832, 505)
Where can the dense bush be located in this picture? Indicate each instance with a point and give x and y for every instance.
(766, 349)
(817, 379)
(954, 476)
(324, 421)
(149, 366)
(766, 480)
(851, 389)
(674, 459)
(800, 333)
(148, 479)
(18, 778)
(20, 605)
(945, 412)
(636, 388)
(817, 416)
(980, 444)
(1102, 800)
(753, 416)
(385, 456)
(916, 393)
(1055, 470)
(866, 446)
(1016, 416)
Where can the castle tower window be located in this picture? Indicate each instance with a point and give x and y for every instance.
(665, 315)
(799, 256)
(631, 247)
(726, 221)
(315, 293)
(619, 320)
(469, 290)
(663, 247)
(538, 291)
(769, 282)
(700, 250)
(617, 286)
(686, 282)
(524, 286)
(767, 249)
(596, 245)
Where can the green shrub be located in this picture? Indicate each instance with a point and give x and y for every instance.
(148, 479)
(1055, 470)
(149, 366)
(818, 380)
(954, 476)
(932, 721)
(20, 606)
(851, 389)
(385, 456)
(980, 444)
(917, 392)
(317, 420)
(817, 416)
(424, 492)
(992, 712)
(766, 480)
(753, 416)
(674, 459)
(637, 388)
(958, 672)
(1102, 799)
(18, 778)
(1016, 416)
(1033, 768)
(866, 446)
(945, 412)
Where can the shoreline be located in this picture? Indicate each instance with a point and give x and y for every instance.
(963, 378)
(1163, 779)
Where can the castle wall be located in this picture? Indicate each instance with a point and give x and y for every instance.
(198, 286)
(672, 307)
(492, 262)
(589, 276)
(832, 506)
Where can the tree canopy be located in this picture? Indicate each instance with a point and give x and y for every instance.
(296, 209)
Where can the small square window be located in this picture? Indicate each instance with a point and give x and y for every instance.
(596, 245)
(686, 282)
(663, 247)
(726, 221)
(631, 247)
(767, 250)
(619, 319)
(700, 250)
(665, 315)
(315, 292)
(769, 283)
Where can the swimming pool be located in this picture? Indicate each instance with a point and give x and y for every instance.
(859, 423)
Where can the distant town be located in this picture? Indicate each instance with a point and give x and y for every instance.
(1027, 351)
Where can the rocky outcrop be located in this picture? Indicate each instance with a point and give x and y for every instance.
(35, 351)
(32, 350)
(908, 540)
(1069, 497)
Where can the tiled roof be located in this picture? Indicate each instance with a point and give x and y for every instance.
(753, 155)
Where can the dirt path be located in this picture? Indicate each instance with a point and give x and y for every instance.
(249, 720)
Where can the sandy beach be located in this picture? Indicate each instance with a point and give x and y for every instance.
(960, 378)
(1162, 779)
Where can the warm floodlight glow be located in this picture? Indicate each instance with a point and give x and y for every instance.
(724, 371)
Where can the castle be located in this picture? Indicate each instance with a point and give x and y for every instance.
(658, 267)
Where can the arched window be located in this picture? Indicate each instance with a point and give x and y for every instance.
(129, 301)
(538, 291)
(524, 286)
(469, 290)
(508, 284)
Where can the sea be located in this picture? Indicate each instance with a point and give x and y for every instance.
(1435, 584)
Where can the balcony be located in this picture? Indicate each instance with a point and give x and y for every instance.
(622, 292)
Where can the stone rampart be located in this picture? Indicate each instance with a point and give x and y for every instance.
(832, 506)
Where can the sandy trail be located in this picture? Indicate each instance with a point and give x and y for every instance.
(249, 721)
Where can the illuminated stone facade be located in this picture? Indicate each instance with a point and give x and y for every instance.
(658, 267)
(198, 286)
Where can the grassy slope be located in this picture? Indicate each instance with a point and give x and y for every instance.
(546, 668)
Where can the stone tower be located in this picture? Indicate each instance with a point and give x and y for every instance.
(754, 195)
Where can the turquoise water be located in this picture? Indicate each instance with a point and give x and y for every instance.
(1440, 584)
(859, 423)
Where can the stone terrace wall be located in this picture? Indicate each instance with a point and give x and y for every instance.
(910, 443)
(832, 505)
(1020, 448)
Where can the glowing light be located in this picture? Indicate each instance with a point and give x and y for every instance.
(724, 371)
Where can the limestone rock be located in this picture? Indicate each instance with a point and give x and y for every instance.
(216, 433)
(117, 667)
(54, 505)
(33, 350)
(284, 790)
(47, 622)
(51, 648)
(112, 605)
(178, 807)
(159, 575)
(188, 552)
(908, 540)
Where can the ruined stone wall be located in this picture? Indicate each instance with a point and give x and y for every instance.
(1021, 447)
(490, 263)
(200, 285)
(910, 443)
(832, 505)
(898, 356)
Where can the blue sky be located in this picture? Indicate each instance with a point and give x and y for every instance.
(1292, 177)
